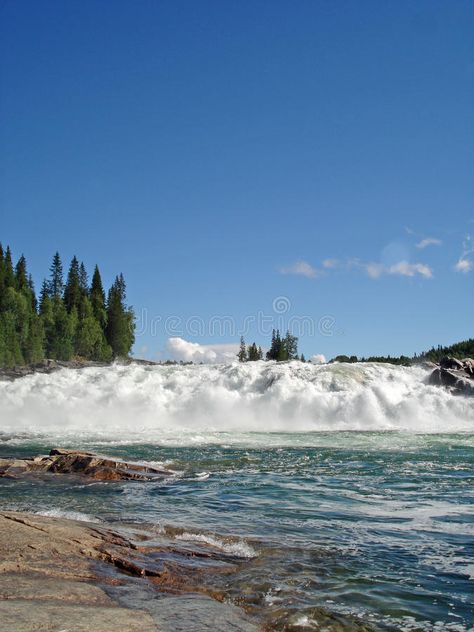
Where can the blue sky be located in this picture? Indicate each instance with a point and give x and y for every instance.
(225, 154)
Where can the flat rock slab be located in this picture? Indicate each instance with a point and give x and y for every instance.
(33, 616)
(47, 581)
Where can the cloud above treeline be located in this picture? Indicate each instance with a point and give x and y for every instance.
(428, 241)
(183, 350)
(374, 270)
(465, 264)
(402, 268)
(378, 269)
(301, 268)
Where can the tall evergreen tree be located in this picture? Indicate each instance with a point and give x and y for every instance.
(242, 355)
(62, 339)
(9, 272)
(56, 283)
(253, 353)
(97, 296)
(120, 320)
(83, 280)
(290, 346)
(21, 277)
(72, 290)
(90, 342)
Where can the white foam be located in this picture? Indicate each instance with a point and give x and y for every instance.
(238, 549)
(70, 515)
(189, 403)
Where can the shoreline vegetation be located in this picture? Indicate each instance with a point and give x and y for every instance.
(71, 319)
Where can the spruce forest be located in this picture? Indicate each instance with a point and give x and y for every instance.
(71, 319)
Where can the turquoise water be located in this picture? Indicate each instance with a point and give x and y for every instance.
(377, 525)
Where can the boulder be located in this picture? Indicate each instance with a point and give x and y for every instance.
(456, 375)
(61, 461)
(450, 363)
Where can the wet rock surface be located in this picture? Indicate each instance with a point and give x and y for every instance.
(46, 581)
(76, 462)
(59, 574)
(456, 375)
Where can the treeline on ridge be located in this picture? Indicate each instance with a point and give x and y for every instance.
(459, 350)
(281, 349)
(70, 319)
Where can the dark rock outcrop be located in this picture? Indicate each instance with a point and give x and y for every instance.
(456, 375)
(93, 466)
(49, 366)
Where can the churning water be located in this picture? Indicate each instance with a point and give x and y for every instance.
(346, 487)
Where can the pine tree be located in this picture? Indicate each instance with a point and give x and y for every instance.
(272, 353)
(290, 347)
(83, 280)
(9, 273)
(21, 278)
(62, 347)
(97, 296)
(120, 320)
(47, 320)
(56, 284)
(2, 269)
(253, 353)
(31, 287)
(242, 355)
(72, 290)
(90, 341)
(260, 353)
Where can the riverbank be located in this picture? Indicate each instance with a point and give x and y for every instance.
(48, 580)
(62, 574)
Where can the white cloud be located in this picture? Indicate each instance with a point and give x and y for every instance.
(463, 265)
(179, 349)
(374, 270)
(330, 263)
(301, 268)
(318, 358)
(428, 241)
(404, 268)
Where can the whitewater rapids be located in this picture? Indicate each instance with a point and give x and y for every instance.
(138, 402)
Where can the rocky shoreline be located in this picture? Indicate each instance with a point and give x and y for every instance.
(62, 574)
(47, 579)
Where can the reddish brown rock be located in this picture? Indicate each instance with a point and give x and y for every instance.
(61, 461)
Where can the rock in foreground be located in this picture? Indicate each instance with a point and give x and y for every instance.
(47, 582)
(93, 466)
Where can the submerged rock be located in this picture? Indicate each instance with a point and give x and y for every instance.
(457, 375)
(61, 461)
